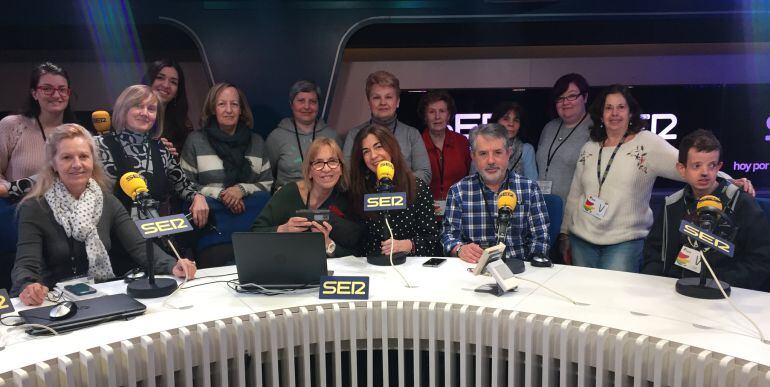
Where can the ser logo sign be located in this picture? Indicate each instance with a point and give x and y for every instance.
(344, 288)
(385, 201)
(723, 246)
(165, 225)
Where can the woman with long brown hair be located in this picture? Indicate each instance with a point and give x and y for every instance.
(414, 228)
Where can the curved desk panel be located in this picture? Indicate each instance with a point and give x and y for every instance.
(437, 333)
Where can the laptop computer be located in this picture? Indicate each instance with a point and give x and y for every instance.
(279, 260)
(92, 311)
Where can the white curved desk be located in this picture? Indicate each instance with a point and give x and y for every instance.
(634, 329)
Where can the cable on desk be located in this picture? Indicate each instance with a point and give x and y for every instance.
(550, 290)
(393, 240)
(719, 284)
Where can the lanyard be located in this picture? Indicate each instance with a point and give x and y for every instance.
(42, 131)
(299, 145)
(609, 163)
(552, 154)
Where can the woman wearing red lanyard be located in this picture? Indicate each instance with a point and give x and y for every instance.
(22, 136)
(448, 151)
(608, 214)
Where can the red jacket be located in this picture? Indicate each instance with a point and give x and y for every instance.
(447, 165)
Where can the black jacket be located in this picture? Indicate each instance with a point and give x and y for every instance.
(749, 267)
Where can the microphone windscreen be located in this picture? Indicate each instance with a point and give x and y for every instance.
(709, 202)
(385, 169)
(506, 198)
(101, 120)
(132, 184)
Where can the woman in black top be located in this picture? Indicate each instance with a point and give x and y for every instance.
(414, 228)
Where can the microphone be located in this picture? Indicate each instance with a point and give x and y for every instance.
(385, 173)
(101, 121)
(134, 186)
(709, 211)
(506, 202)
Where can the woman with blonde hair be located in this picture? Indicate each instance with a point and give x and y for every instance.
(135, 147)
(324, 185)
(68, 219)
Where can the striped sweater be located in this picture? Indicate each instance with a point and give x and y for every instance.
(203, 166)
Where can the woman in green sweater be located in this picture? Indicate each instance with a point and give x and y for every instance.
(324, 185)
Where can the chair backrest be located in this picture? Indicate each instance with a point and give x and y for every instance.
(227, 223)
(765, 205)
(555, 208)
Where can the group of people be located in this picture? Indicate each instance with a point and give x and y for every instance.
(74, 219)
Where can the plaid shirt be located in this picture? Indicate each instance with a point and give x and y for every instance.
(467, 221)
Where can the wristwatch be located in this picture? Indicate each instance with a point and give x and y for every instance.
(457, 252)
(330, 249)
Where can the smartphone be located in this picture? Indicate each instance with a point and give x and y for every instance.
(80, 289)
(319, 215)
(434, 262)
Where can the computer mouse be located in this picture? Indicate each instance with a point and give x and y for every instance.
(63, 310)
(540, 261)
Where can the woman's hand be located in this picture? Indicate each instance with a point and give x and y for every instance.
(170, 146)
(184, 268)
(295, 224)
(325, 229)
(238, 208)
(199, 210)
(231, 195)
(3, 191)
(399, 246)
(564, 249)
(746, 185)
(33, 294)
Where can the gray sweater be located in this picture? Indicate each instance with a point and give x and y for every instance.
(43, 251)
(410, 141)
(564, 160)
(284, 152)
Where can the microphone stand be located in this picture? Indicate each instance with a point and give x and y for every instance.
(703, 286)
(150, 287)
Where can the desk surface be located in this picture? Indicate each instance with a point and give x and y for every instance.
(636, 303)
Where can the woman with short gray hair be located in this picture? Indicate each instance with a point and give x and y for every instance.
(288, 143)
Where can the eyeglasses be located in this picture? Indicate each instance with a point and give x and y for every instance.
(570, 98)
(319, 165)
(48, 90)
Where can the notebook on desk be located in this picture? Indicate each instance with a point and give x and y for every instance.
(279, 260)
(90, 312)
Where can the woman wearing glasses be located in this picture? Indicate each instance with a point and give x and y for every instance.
(561, 141)
(324, 185)
(226, 158)
(22, 136)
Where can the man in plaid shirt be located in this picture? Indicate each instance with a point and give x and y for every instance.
(471, 208)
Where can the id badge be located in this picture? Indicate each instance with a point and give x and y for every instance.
(689, 259)
(595, 206)
(545, 186)
(439, 207)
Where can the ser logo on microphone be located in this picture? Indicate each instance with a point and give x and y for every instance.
(724, 246)
(167, 225)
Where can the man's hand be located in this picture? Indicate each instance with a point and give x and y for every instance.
(295, 224)
(470, 252)
(33, 294)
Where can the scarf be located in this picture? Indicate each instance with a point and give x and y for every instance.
(515, 161)
(232, 150)
(79, 218)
